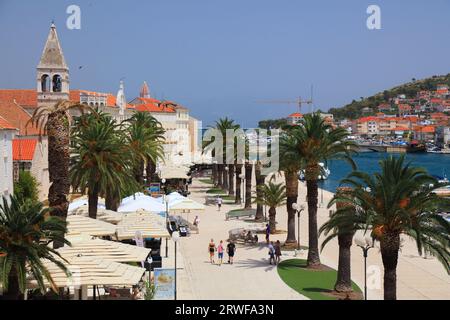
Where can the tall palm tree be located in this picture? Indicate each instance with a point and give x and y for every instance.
(222, 125)
(238, 199)
(55, 121)
(399, 200)
(290, 164)
(260, 179)
(26, 230)
(100, 159)
(248, 185)
(345, 238)
(146, 137)
(273, 196)
(318, 142)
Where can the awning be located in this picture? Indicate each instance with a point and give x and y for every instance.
(103, 249)
(186, 205)
(78, 225)
(102, 214)
(172, 172)
(150, 225)
(90, 271)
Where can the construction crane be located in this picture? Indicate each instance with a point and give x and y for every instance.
(299, 102)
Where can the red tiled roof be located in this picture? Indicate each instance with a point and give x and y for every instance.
(367, 119)
(425, 129)
(17, 117)
(151, 105)
(23, 149)
(400, 129)
(5, 124)
(24, 97)
(295, 115)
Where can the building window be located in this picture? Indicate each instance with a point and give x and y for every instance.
(45, 83)
(57, 83)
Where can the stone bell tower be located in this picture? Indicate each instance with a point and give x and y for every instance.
(52, 72)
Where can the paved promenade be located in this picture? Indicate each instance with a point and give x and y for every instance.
(251, 277)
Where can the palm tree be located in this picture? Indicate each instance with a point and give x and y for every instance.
(318, 142)
(55, 121)
(248, 185)
(155, 132)
(273, 196)
(290, 165)
(260, 179)
(100, 159)
(345, 238)
(399, 200)
(26, 230)
(144, 137)
(222, 125)
(238, 199)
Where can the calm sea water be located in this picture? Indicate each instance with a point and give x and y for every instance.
(436, 164)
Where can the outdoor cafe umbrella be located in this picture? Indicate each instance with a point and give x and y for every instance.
(84, 225)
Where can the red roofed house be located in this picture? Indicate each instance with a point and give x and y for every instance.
(7, 132)
(424, 133)
(367, 126)
(294, 118)
(404, 108)
(442, 89)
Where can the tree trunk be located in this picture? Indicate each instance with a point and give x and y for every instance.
(259, 195)
(220, 176)
(248, 185)
(291, 195)
(93, 201)
(150, 170)
(139, 173)
(272, 220)
(13, 292)
(58, 132)
(231, 180)
(214, 175)
(344, 281)
(390, 245)
(313, 237)
(225, 179)
(238, 199)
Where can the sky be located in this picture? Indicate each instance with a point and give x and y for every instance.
(225, 58)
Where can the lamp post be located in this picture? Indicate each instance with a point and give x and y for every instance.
(299, 211)
(242, 177)
(175, 238)
(167, 221)
(365, 242)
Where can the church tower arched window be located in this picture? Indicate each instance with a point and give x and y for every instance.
(57, 83)
(45, 83)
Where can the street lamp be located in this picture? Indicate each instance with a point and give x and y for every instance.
(299, 211)
(167, 221)
(242, 177)
(365, 242)
(175, 238)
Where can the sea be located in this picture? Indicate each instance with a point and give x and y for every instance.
(437, 165)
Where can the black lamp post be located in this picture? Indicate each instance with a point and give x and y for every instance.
(175, 238)
(365, 243)
(299, 211)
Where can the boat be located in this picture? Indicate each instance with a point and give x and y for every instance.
(415, 147)
(324, 174)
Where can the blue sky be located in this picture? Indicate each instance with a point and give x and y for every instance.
(219, 58)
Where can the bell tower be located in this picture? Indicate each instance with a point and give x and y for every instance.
(52, 72)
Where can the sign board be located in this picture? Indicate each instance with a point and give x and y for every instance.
(154, 188)
(164, 284)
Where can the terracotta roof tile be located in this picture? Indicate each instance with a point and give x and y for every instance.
(17, 117)
(6, 125)
(23, 149)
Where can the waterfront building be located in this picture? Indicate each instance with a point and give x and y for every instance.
(7, 132)
(294, 118)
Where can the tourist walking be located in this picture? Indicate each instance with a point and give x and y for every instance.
(267, 233)
(220, 252)
(219, 203)
(278, 252)
(211, 250)
(271, 253)
(231, 250)
(196, 223)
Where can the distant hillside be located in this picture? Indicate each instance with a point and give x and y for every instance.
(410, 89)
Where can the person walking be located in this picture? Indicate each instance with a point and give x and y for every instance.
(271, 253)
(278, 252)
(211, 250)
(196, 223)
(231, 250)
(220, 252)
(267, 233)
(219, 203)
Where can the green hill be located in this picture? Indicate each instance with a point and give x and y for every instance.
(410, 89)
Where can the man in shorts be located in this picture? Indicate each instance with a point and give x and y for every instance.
(231, 250)
(219, 203)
